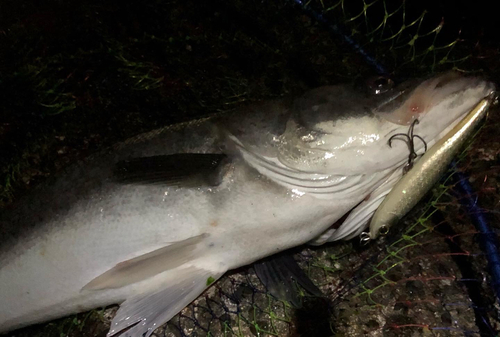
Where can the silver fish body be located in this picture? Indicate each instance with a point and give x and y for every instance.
(86, 240)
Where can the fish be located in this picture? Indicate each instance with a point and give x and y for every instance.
(425, 173)
(151, 223)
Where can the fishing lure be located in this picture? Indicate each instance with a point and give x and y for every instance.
(424, 174)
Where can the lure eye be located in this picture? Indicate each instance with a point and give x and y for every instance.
(380, 84)
(384, 230)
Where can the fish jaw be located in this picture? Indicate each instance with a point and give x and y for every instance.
(449, 90)
(448, 100)
(450, 111)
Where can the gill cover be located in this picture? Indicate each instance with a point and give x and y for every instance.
(334, 130)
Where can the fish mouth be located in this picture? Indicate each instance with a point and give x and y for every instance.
(451, 97)
(454, 83)
(454, 95)
(416, 100)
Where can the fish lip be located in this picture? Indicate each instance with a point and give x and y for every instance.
(406, 88)
(453, 77)
(453, 83)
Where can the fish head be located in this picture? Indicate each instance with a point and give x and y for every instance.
(439, 103)
(345, 130)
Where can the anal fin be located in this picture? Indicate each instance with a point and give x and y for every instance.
(143, 313)
(279, 273)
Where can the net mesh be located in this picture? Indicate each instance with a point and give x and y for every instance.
(428, 277)
(408, 36)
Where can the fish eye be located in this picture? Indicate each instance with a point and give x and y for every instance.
(379, 85)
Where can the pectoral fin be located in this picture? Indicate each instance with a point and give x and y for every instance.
(326, 235)
(143, 313)
(150, 264)
(358, 218)
(183, 169)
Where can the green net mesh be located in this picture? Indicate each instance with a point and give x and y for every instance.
(406, 35)
(428, 277)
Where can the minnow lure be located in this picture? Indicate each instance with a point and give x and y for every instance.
(424, 174)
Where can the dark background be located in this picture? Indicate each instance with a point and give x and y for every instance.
(79, 76)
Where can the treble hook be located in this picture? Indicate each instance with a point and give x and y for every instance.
(409, 140)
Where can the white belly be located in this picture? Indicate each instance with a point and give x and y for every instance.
(245, 219)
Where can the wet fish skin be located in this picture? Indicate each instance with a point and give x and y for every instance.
(85, 240)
